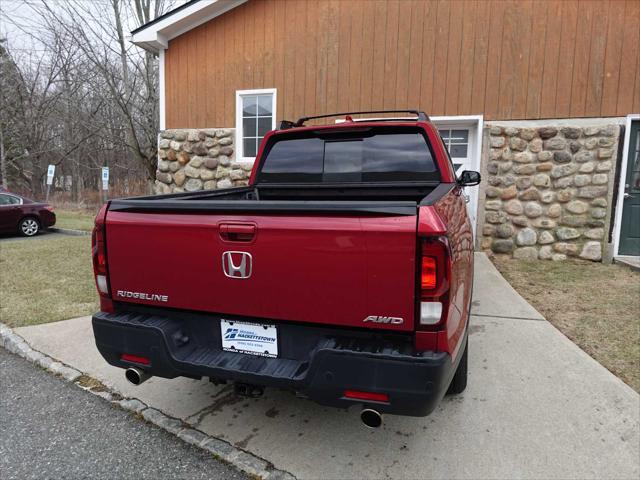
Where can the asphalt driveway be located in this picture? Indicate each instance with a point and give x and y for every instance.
(52, 429)
(536, 407)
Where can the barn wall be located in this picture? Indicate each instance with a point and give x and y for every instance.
(504, 59)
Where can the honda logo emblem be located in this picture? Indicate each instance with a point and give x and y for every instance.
(237, 264)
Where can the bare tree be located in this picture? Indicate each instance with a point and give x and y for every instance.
(8, 82)
(129, 75)
(28, 101)
(89, 100)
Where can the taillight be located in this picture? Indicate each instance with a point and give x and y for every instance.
(429, 273)
(99, 254)
(434, 281)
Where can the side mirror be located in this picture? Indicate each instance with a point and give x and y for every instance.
(469, 178)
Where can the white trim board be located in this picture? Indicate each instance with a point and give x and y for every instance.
(239, 147)
(559, 122)
(161, 91)
(621, 178)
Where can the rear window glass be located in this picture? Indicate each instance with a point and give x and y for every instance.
(365, 156)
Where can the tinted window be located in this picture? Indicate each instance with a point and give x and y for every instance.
(302, 155)
(374, 155)
(343, 156)
(9, 200)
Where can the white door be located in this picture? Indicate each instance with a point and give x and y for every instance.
(461, 139)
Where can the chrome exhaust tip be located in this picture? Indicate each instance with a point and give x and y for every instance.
(371, 418)
(136, 376)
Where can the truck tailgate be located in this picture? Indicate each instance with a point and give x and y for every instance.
(335, 269)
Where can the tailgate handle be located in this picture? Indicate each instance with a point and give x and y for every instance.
(235, 232)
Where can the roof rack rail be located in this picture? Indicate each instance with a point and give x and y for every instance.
(422, 117)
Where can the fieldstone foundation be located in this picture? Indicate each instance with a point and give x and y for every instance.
(547, 191)
(204, 159)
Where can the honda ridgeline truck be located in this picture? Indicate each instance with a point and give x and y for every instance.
(343, 272)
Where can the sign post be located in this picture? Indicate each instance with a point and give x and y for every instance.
(51, 170)
(105, 181)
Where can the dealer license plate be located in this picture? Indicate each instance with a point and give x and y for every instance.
(251, 338)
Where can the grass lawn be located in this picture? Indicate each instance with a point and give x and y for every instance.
(595, 305)
(46, 279)
(75, 219)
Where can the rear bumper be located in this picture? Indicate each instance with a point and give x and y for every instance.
(318, 363)
(47, 219)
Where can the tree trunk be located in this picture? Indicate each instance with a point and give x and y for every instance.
(3, 160)
(130, 132)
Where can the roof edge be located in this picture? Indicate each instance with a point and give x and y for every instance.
(156, 34)
(163, 16)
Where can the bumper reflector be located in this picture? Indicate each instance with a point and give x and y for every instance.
(371, 396)
(430, 313)
(126, 357)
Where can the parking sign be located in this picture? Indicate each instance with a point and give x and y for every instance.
(105, 178)
(50, 172)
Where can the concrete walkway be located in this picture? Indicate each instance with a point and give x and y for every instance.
(536, 407)
(631, 261)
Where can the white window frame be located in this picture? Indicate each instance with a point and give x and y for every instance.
(447, 144)
(238, 137)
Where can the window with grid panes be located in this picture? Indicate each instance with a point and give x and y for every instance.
(257, 120)
(457, 142)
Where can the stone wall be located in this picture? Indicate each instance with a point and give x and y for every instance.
(204, 159)
(547, 190)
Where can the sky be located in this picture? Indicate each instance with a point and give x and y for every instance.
(17, 25)
(14, 11)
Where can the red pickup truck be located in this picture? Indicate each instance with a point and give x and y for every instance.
(343, 272)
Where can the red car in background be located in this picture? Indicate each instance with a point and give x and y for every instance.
(21, 215)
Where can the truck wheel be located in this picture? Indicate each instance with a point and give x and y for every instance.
(459, 381)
